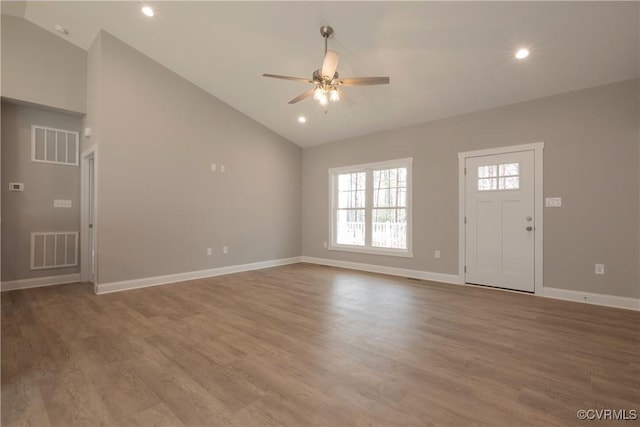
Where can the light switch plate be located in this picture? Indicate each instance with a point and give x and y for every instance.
(553, 202)
(62, 203)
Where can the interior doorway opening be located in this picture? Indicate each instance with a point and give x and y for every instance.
(88, 220)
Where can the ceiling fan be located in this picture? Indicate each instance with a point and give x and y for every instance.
(326, 81)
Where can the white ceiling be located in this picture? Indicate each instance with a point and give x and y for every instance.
(444, 58)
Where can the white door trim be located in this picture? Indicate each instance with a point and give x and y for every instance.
(537, 149)
(90, 153)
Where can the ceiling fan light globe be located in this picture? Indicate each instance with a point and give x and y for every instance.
(318, 93)
(334, 96)
(323, 100)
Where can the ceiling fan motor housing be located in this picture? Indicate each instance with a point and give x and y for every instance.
(317, 76)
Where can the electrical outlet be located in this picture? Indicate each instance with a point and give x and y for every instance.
(325, 245)
(214, 167)
(225, 250)
(599, 268)
(209, 251)
(222, 168)
(16, 186)
(436, 254)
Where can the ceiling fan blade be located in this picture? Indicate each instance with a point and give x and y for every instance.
(365, 81)
(302, 96)
(330, 64)
(296, 79)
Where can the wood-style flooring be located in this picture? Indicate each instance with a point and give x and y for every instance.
(306, 345)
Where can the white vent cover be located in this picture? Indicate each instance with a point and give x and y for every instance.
(54, 249)
(59, 146)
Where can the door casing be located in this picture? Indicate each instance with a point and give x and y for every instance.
(91, 154)
(537, 148)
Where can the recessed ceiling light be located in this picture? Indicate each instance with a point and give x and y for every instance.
(147, 11)
(62, 30)
(522, 53)
(302, 119)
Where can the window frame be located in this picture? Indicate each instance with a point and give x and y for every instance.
(368, 168)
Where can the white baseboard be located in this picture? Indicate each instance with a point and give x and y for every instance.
(563, 294)
(38, 282)
(105, 288)
(392, 271)
(591, 298)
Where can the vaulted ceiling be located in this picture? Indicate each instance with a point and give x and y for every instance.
(444, 58)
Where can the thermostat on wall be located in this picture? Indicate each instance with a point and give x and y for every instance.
(16, 186)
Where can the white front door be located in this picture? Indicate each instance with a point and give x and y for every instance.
(500, 223)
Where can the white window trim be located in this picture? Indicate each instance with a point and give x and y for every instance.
(368, 249)
(52, 162)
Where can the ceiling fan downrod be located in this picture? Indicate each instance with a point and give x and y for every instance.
(326, 32)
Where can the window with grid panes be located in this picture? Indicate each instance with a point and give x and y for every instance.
(370, 208)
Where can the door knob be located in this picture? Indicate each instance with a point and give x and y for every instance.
(529, 228)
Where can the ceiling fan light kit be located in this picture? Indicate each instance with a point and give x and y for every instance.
(326, 80)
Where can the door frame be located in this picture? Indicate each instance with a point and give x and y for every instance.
(87, 155)
(537, 148)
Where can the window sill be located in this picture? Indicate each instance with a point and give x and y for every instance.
(372, 251)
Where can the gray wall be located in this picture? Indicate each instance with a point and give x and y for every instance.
(159, 204)
(41, 68)
(32, 210)
(94, 93)
(590, 160)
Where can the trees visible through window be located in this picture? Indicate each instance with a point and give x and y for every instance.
(351, 209)
(499, 177)
(371, 208)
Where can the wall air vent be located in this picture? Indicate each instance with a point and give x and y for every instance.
(57, 146)
(54, 249)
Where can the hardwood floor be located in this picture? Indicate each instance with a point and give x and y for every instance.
(309, 345)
